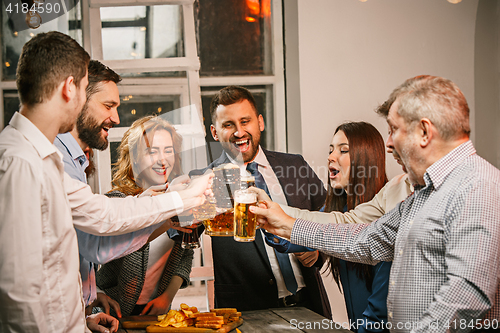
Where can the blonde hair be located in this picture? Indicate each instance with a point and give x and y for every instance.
(144, 128)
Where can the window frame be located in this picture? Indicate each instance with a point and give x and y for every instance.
(188, 87)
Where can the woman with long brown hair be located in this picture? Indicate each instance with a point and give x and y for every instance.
(356, 164)
(146, 281)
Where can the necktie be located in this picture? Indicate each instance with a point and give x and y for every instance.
(283, 258)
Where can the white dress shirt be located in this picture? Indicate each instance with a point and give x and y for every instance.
(40, 289)
(394, 192)
(95, 249)
(40, 286)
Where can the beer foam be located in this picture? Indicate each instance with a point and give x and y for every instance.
(248, 178)
(245, 198)
(226, 166)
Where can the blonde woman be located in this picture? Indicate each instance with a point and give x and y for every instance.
(146, 281)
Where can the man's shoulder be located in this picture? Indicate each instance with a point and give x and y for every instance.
(477, 169)
(283, 158)
(14, 146)
(281, 154)
(222, 159)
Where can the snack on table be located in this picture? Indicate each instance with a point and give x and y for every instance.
(229, 314)
(178, 318)
(190, 317)
(209, 320)
(208, 325)
(202, 314)
(222, 311)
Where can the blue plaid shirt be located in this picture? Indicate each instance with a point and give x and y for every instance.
(444, 241)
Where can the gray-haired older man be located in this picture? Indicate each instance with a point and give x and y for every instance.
(444, 239)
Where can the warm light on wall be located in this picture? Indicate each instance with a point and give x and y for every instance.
(252, 11)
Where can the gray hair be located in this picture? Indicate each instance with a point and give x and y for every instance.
(435, 98)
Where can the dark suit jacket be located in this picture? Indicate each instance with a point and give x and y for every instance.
(243, 275)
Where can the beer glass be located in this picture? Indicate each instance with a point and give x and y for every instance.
(221, 225)
(247, 181)
(245, 222)
(226, 181)
(191, 240)
(206, 211)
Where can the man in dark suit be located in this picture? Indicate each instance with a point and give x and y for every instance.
(250, 276)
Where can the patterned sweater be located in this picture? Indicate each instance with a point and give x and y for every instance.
(122, 279)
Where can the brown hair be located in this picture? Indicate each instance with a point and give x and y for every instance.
(228, 96)
(367, 176)
(46, 60)
(98, 73)
(123, 178)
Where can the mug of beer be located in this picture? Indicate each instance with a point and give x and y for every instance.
(191, 240)
(247, 181)
(206, 211)
(226, 182)
(245, 222)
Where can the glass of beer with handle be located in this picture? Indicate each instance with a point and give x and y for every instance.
(245, 222)
(226, 182)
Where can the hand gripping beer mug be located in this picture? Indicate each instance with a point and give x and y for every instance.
(206, 211)
(226, 182)
(245, 222)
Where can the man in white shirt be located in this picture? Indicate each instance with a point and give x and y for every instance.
(40, 287)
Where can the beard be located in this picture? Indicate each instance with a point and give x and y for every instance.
(236, 154)
(71, 117)
(89, 130)
(412, 162)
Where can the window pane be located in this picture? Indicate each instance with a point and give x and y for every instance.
(234, 37)
(139, 32)
(114, 151)
(10, 105)
(133, 107)
(263, 97)
(15, 32)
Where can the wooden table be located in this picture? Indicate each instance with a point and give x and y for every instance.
(281, 320)
(296, 319)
